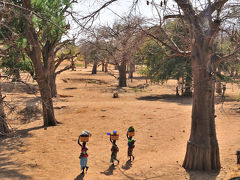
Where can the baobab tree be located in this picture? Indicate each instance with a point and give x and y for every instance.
(204, 23)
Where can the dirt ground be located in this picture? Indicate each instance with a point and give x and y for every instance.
(162, 122)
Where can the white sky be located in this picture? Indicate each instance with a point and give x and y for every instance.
(121, 8)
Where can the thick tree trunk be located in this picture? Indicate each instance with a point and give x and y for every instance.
(131, 69)
(122, 75)
(3, 124)
(53, 85)
(106, 67)
(94, 68)
(85, 64)
(47, 103)
(202, 148)
(102, 66)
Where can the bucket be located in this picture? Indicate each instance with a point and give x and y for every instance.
(84, 139)
(130, 134)
(114, 137)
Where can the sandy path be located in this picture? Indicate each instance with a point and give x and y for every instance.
(162, 124)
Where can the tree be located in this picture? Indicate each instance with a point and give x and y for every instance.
(202, 148)
(4, 129)
(40, 46)
(120, 41)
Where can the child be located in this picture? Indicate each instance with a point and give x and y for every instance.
(130, 146)
(114, 150)
(83, 156)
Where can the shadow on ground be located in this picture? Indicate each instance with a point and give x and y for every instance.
(18, 87)
(10, 168)
(85, 80)
(195, 175)
(110, 170)
(80, 176)
(167, 98)
(31, 112)
(127, 165)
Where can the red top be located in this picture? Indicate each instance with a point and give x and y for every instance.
(84, 151)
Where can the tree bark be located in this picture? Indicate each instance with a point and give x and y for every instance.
(202, 148)
(85, 64)
(106, 67)
(94, 68)
(53, 86)
(102, 66)
(4, 129)
(73, 64)
(122, 74)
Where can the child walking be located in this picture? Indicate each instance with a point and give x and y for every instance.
(114, 151)
(84, 155)
(131, 142)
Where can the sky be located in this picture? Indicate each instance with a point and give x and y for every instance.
(122, 8)
(119, 8)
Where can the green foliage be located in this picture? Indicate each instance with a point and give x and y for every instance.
(160, 68)
(16, 61)
(53, 24)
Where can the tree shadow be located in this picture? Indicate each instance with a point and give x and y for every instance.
(9, 167)
(167, 98)
(19, 87)
(197, 175)
(25, 132)
(80, 176)
(31, 112)
(110, 170)
(13, 144)
(127, 165)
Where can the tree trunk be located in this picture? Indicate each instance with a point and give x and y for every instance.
(187, 90)
(122, 75)
(16, 75)
(47, 103)
(218, 87)
(131, 69)
(94, 68)
(73, 64)
(53, 85)
(102, 66)
(85, 64)
(3, 124)
(202, 148)
(106, 67)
